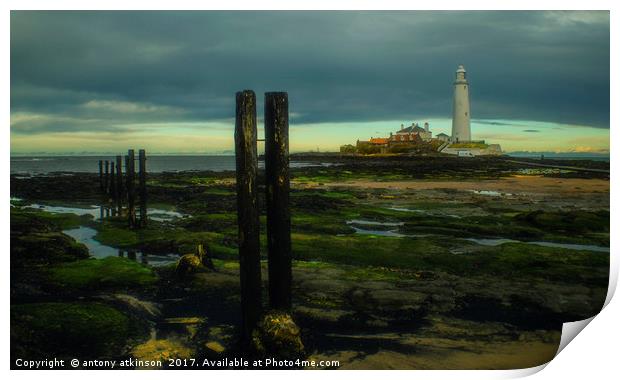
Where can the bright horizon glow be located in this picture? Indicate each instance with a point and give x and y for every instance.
(216, 137)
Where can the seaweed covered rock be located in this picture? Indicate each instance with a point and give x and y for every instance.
(577, 221)
(36, 239)
(45, 248)
(278, 335)
(187, 264)
(98, 274)
(28, 220)
(76, 329)
(192, 262)
(24, 221)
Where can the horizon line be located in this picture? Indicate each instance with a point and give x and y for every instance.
(98, 154)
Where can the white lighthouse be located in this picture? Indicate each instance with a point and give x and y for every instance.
(461, 130)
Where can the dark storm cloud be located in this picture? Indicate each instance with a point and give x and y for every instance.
(123, 67)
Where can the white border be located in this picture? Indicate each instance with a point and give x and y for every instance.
(592, 355)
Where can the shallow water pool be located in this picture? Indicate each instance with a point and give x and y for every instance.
(86, 235)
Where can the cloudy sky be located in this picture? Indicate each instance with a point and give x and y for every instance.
(165, 81)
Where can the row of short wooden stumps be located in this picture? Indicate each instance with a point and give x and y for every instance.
(121, 189)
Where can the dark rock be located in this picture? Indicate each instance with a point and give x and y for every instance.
(45, 248)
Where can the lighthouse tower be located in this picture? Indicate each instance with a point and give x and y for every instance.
(461, 130)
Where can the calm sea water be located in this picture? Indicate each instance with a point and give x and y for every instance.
(36, 165)
(154, 164)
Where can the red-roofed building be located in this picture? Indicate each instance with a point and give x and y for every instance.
(379, 141)
(374, 145)
(405, 138)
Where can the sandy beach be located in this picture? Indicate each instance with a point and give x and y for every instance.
(514, 184)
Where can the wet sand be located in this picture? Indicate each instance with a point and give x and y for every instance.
(448, 354)
(513, 185)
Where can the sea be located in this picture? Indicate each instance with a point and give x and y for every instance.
(41, 165)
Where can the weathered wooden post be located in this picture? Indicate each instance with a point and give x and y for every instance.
(126, 170)
(277, 184)
(131, 193)
(247, 211)
(112, 181)
(119, 183)
(142, 166)
(106, 177)
(101, 175)
(126, 181)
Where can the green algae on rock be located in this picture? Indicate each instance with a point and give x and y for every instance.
(36, 239)
(32, 220)
(84, 330)
(45, 248)
(432, 298)
(107, 273)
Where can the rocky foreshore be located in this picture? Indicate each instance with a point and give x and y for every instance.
(399, 263)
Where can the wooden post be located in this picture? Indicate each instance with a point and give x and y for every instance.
(247, 211)
(106, 177)
(119, 183)
(101, 175)
(112, 181)
(142, 183)
(277, 184)
(131, 193)
(126, 181)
